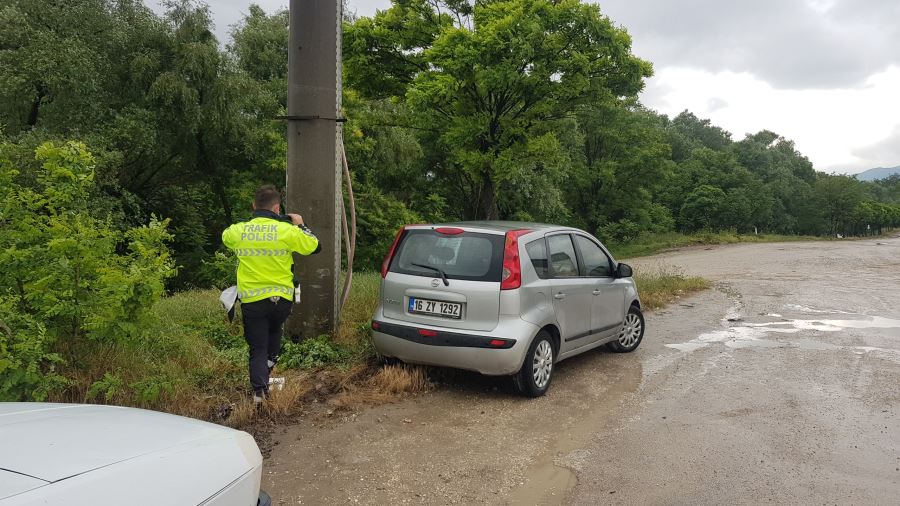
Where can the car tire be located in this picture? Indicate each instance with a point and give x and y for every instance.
(389, 361)
(533, 379)
(632, 332)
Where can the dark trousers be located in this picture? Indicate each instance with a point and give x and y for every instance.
(263, 328)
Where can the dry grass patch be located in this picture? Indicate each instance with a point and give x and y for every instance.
(385, 384)
(400, 379)
(661, 286)
(337, 389)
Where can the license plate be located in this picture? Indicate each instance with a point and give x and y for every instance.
(436, 308)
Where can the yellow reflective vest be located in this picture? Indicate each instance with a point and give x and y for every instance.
(264, 247)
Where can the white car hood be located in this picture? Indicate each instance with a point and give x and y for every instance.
(52, 442)
(14, 483)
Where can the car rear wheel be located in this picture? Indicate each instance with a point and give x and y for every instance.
(631, 334)
(392, 361)
(534, 378)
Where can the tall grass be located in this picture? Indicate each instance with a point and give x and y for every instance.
(663, 285)
(188, 361)
(357, 313)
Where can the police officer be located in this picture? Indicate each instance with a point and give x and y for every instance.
(265, 282)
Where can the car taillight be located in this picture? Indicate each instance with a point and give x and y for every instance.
(387, 260)
(512, 266)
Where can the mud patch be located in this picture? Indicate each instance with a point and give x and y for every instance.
(552, 475)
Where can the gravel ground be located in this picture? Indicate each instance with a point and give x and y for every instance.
(780, 385)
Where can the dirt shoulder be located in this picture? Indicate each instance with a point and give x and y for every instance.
(758, 390)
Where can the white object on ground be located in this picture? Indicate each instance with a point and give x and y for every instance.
(277, 383)
(228, 297)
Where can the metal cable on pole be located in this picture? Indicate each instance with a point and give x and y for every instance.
(349, 232)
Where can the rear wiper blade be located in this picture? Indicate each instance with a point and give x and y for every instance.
(435, 269)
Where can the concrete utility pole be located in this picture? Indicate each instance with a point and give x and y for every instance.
(313, 160)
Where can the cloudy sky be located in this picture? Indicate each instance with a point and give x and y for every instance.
(824, 73)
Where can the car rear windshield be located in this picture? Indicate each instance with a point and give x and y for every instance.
(468, 256)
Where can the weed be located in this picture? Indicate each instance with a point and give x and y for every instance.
(662, 285)
(400, 379)
(311, 353)
(106, 387)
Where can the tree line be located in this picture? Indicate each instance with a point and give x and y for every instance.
(501, 109)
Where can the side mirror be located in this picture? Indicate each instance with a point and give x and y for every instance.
(624, 271)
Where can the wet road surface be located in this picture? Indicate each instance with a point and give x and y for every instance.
(779, 385)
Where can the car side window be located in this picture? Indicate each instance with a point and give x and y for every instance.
(537, 252)
(596, 263)
(563, 262)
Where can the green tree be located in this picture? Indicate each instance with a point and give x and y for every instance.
(177, 128)
(703, 209)
(737, 211)
(687, 132)
(625, 162)
(486, 81)
(53, 62)
(838, 197)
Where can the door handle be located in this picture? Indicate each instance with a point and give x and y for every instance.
(559, 296)
(597, 292)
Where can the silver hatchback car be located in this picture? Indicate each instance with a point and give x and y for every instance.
(503, 298)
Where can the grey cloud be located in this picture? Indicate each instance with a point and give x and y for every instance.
(884, 153)
(368, 7)
(716, 103)
(788, 43)
(227, 13)
(785, 42)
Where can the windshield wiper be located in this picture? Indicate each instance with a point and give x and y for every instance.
(435, 269)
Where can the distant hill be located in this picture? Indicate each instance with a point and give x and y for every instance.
(879, 173)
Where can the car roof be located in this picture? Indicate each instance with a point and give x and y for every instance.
(499, 225)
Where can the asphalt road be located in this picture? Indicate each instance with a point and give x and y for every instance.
(779, 385)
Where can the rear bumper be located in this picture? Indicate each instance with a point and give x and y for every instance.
(451, 348)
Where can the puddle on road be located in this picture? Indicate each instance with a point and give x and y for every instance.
(753, 335)
(806, 309)
(549, 479)
(872, 322)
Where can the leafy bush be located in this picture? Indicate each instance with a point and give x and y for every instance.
(149, 390)
(702, 208)
(106, 387)
(311, 353)
(70, 270)
(219, 271)
(27, 366)
(621, 231)
(218, 333)
(379, 217)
